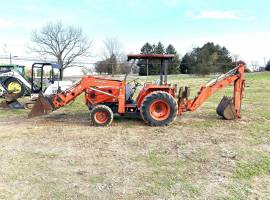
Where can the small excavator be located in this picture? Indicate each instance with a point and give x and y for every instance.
(44, 79)
(158, 103)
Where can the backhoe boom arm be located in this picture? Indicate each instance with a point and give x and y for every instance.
(235, 76)
(207, 91)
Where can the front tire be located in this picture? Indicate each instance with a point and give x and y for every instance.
(101, 115)
(159, 109)
(14, 86)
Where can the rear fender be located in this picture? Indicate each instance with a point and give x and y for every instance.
(147, 90)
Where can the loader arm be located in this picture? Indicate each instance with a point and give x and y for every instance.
(47, 104)
(69, 95)
(235, 76)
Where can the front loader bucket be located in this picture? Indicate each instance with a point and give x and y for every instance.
(43, 106)
(226, 108)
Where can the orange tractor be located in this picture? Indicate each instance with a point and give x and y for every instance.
(157, 103)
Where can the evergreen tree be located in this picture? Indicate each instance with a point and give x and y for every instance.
(155, 67)
(146, 49)
(267, 67)
(170, 49)
(153, 64)
(210, 58)
(186, 64)
(159, 49)
(173, 67)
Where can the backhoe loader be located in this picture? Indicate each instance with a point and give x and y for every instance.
(157, 103)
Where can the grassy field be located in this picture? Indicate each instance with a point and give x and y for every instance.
(199, 156)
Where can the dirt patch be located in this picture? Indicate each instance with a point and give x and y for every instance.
(119, 161)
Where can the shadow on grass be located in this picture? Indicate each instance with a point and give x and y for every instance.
(83, 119)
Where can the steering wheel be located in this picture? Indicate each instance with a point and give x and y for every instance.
(136, 83)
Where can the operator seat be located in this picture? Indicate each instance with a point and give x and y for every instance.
(129, 93)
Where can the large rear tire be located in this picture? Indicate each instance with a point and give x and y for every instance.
(15, 87)
(159, 109)
(101, 115)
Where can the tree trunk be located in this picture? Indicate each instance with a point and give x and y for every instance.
(60, 63)
(61, 73)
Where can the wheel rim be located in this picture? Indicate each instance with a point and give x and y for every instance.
(14, 87)
(101, 117)
(160, 110)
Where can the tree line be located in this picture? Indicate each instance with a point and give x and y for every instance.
(67, 43)
(267, 67)
(152, 67)
(114, 59)
(114, 62)
(209, 58)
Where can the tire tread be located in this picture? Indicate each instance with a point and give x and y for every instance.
(158, 95)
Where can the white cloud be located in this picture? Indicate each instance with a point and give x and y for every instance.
(19, 24)
(4, 23)
(215, 14)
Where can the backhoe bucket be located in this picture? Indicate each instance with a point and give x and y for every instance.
(226, 108)
(42, 106)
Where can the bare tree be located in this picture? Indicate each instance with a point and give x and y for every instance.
(235, 59)
(65, 43)
(254, 65)
(112, 54)
(112, 46)
(125, 67)
(86, 70)
(101, 67)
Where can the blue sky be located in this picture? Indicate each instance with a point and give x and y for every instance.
(241, 25)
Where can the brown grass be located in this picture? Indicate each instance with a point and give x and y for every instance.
(198, 157)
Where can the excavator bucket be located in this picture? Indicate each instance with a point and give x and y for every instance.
(226, 108)
(10, 102)
(43, 106)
